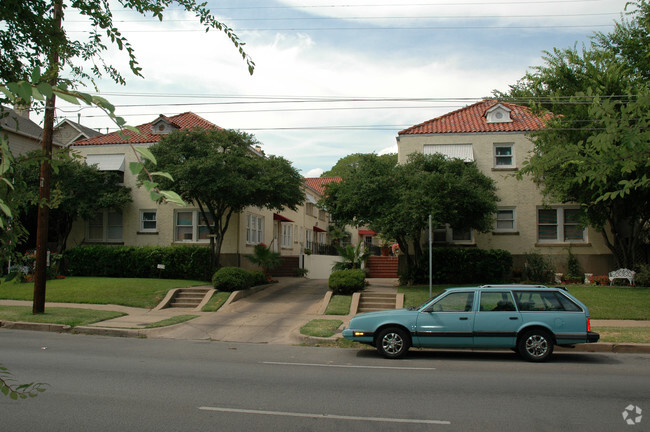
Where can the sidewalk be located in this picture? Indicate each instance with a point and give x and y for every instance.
(273, 322)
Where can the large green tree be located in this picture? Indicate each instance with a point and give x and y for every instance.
(596, 149)
(79, 191)
(41, 61)
(346, 164)
(218, 171)
(396, 200)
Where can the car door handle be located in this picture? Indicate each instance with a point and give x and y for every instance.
(463, 318)
(514, 318)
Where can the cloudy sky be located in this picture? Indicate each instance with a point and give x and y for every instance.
(335, 77)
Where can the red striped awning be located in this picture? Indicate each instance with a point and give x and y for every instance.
(281, 218)
(367, 232)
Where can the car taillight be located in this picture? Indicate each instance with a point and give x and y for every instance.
(588, 324)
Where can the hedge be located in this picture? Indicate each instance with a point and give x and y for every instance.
(462, 265)
(346, 282)
(181, 262)
(232, 279)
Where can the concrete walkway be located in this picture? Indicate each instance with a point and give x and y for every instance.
(272, 315)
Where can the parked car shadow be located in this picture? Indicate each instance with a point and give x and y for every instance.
(466, 355)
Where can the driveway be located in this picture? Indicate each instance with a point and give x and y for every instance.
(273, 315)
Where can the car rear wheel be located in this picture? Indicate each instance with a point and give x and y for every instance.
(393, 343)
(535, 345)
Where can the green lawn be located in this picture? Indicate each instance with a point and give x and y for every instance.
(604, 302)
(143, 293)
(55, 315)
(339, 305)
(320, 327)
(216, 301)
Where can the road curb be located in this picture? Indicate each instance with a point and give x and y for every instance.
(61, 328)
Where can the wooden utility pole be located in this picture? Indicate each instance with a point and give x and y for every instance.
(40, 271)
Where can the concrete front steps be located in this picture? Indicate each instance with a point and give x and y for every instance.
(383, 266)
(186, 298)
(375, 299)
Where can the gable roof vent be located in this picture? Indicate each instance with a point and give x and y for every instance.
(163, 126)
(498, 114)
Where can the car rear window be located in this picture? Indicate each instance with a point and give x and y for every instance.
(542, 301)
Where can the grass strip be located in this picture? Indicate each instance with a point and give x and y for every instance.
(134, 292)
(320, 328)
(57, 315)
(339, 305)
(216, 301)
(624, 334)
(171, 321)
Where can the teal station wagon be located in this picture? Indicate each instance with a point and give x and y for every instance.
(528, 319)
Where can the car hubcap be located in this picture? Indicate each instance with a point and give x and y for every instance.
(392, 343)
(536, 345)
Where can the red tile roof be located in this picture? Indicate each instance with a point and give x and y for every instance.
(318, 183)
(182, 121)
(472, 119)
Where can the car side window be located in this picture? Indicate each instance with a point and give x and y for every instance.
(538, 301)
(454, 302)
(568, 304)
(497, 301)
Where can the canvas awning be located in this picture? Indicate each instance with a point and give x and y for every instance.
(459, 151)
(317, 229)
(281, 218)
(367, 232)
(107, 162)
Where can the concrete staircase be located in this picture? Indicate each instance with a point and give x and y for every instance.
(188, 297)
(383, 266)
(379, 300)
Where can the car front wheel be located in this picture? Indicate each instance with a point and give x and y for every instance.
(535, 345)
(393, 343)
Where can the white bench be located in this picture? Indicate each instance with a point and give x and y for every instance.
(622, 274)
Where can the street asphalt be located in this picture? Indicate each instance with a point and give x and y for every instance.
(272, 315)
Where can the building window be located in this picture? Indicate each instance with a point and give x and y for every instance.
(505, 221)
(254, 229)
(311, 210)
(148, 221)
(504, 155)
(446, 234)
(190, 226)
(461, 235)
(287, 235)
(105, 226)
(309, 239)
(560, 225)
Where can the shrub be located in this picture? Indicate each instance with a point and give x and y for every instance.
(461, 265)
(258, 278)
(345, 282)
(538, 268)
(181, 262)
(642, 277)
(231, 279)
(574, 268)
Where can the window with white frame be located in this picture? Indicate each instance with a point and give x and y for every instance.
(445, 234)
(505, 220)
(504, 155)
(287, 235)
(148, 221)
(309, 239)
(191, 226)
(560, 225)
(105, 226)
(254, 229)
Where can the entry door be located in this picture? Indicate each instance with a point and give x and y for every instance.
(497, 320)
(447, 323)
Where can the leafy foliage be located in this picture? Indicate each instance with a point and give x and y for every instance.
(218, 171)
(346, 282)
(347, 164)
(181, 262)
(264, 257)
(596, 150)
(396, 200)
(353, 257)
(22, 391)
(537, 268)
(231, 279)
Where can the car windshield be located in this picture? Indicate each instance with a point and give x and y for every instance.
(426, 302)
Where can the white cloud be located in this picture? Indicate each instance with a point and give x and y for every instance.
(316, 172)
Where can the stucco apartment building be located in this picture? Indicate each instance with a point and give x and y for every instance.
(494, 135)
(146, 223)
